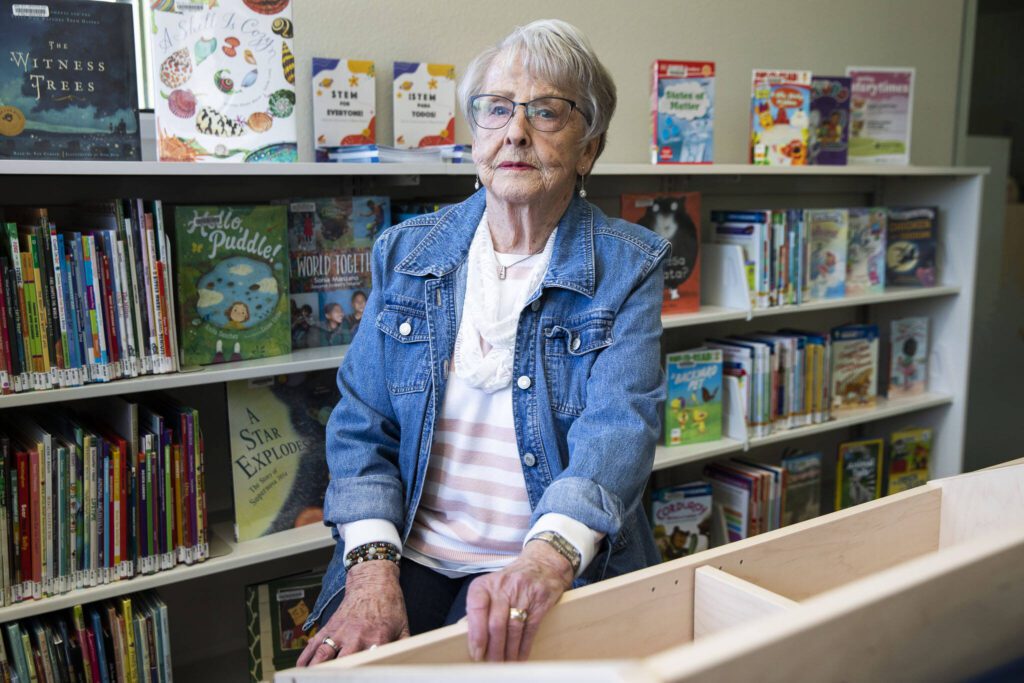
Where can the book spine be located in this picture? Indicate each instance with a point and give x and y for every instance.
(73, 345)
(190, 487)
(55, 258)
(128, 312)
(179, 499)
(202, 518)
(6, 357)
(36, 529)
(132, 234)
(110, 317)
(15, 326)
(168, 505)
(98, 344)
(77, 254)
(147, 289)
(48, 313)
(116, 508)
(159, 351)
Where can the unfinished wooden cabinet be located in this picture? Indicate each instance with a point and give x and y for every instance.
(927, 584)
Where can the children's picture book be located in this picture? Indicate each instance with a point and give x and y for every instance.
(68, 88)
(224, 80)
(693, 409)
(344, 103)
(780, 117)
(681, 519)
(278, 459)
(908, 356)
(802, 499)
(909, 453)
(829, 132)
(232, 282)
(330, 243)
(858, 473)
(910, 247)
(424, 104)
(676, 217)
(828, 238)
(274, 614)
(683, 112)
(865, 253)
(854, 366)
(880, 114)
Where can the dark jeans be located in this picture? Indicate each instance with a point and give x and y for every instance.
(432, 600)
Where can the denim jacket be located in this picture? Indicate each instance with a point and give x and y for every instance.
(587, 380)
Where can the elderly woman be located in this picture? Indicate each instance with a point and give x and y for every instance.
(499, 415)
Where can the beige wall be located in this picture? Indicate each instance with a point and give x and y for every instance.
(821, 35)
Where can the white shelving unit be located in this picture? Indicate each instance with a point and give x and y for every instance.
(956, 191)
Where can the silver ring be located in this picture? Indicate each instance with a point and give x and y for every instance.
(329, 642)
(516, 614)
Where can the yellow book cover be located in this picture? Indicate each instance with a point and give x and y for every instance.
(129, 637)
(909, 454)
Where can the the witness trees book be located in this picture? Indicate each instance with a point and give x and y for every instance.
(344, 102)
(780, 117)
(865, 254)
(909, 453)
(274, 614)
(676, 217)
(67, 81)
(802, 499)
(854, 366)
(232, 282)
(908, 356)
(278, 459)
(424, 104)
(910, 252)
(693, 408)
(828, 235)
(829, 132)
(858, 472)
(681, 519)
(683, 112)
(880, 114)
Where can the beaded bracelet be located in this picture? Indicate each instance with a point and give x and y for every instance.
(378, 550)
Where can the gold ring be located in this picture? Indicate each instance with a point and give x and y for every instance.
(329, 642)
(516, 614)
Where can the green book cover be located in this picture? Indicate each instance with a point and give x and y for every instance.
(232, 282)
(693, 411)
(858, 473)
(275, 612)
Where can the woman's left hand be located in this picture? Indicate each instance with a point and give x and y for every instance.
(533, 583)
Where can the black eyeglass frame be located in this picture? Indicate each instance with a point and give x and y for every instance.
(526, 105)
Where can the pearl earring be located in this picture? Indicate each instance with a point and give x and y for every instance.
(476, 183)
(583, 190)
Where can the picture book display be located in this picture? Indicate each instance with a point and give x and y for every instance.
(683, 112)
(232, 282)
(344, 102)
(803, 487)
(829, 132)
(858, 473)
(828, 235)
(780, 117)
(278, 459)
(676, 217)
(909, 454)
(224, 80)
(880, 114)
(274, 614)
(910, 258)
(424, 104)
(854, 366)
(908, 356)
(68, 87)
(865, 254)
(693, 409)
(330, 242)
(681, 518)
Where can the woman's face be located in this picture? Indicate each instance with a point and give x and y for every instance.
(519, 164)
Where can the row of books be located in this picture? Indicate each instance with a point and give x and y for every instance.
(99, 494)
(740, 498)
(127, 639)
(752, 385)
(86, 296)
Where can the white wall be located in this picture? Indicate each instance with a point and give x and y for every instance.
(821, 35)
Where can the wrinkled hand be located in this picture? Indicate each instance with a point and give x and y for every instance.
(372, 613)
(533, 582)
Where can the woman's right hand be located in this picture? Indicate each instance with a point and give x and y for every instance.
(372, 613)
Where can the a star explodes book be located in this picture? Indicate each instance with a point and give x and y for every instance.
(780, 116)
(224, 78)
(232, 282)
(693, 409)
(880, 114)
(683, 112)
(830, 120)
(344, 103)
(424, 104)
(68, 88)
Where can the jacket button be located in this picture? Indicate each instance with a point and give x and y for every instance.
(535, 306)
(576, 343)
(405, 329)
(444, 368)
(530, 459)
(523, 382)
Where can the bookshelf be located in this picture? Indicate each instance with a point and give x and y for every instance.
(949, 305)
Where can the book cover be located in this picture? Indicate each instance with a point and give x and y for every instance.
(681, 519)
(780, 117)
(344, 102)
(224, 80)
(908, 356)
(693, 409)
(232, 282)
(858, 473)
(749, 230)
(854, 366)
(68, 82)
(683, 112)
(909, 454)
(676, 217)
(424, 104)
(911, 245)
(881, 110)
(278, 460)
(275, 612)
(829, 131)
(802, 498)
(828, 237)
(865, 252)
(330, 243)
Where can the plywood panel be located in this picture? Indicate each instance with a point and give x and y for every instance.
(981, 503)
(722, 601)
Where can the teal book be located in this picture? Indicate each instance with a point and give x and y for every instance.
(232, 282)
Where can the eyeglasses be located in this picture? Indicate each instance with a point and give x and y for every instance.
(546, 114)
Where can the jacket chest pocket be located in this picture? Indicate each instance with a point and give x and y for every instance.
(406, 348)
(571, 346)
